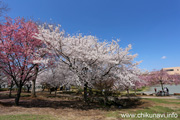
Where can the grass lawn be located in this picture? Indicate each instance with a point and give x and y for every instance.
(27, 117)
(156, 106)
(47, 107)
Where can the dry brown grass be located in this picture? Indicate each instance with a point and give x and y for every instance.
(61, 107)
(66, 109)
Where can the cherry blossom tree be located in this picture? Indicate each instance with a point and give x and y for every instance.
(56, 76)
(127, 77)
(28, 86)
(87, 57)
(18, 50)
(160, 77)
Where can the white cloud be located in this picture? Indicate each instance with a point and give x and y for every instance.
(163, 57)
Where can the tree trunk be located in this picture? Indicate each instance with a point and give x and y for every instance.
(127, 92)
(18, 95)
(162, 88)
(43, 87)
(33, 92)
(85, 91)
(105, 97)
(28, 89)
(10, 89)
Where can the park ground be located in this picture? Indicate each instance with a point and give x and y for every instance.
(61, 107)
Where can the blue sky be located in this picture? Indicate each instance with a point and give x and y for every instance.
(151, 26)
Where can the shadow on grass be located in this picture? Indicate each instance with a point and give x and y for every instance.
(40, 103)
(57, 103)
(73, 104)
(4, 96)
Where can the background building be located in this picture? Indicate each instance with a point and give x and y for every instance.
(172, 70)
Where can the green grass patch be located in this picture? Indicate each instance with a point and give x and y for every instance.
(142, 89)
(27, 117)
(114, 114)
(149, 110)
(167, 101)
(156, 109)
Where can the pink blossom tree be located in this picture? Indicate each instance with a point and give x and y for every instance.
(18, 50)
(160, 77)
